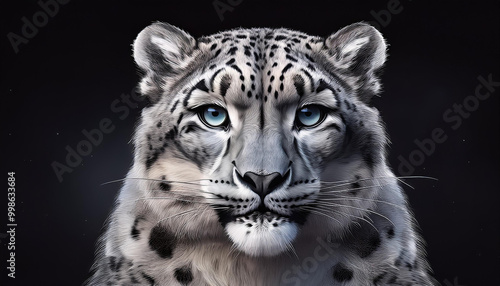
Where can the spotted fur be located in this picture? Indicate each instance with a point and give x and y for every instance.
(262, 198)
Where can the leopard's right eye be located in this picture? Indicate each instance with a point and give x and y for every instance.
(309, 116)
(213, 116)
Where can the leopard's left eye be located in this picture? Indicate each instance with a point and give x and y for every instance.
(309, 116)
(213, 116)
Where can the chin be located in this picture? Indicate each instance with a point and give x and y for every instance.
(263, 238)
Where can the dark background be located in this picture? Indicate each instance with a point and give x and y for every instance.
(66, 77)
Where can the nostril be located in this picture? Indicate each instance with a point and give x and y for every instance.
(276, 181)
(251, 180)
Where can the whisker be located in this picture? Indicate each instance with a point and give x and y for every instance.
(179, 214)
(345, 182)
(367, 220)
(360, 209)
(348, 190)
(313, 210)
(156, 180)
(340, 198)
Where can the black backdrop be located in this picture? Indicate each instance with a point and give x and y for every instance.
(77, 62)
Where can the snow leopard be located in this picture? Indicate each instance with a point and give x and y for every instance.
(260, 160)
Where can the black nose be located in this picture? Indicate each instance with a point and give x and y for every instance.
(263, 184)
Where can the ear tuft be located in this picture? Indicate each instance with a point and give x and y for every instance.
(161, 51)
(357, 53)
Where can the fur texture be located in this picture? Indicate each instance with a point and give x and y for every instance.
(260, 162)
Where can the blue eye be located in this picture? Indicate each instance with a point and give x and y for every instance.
(214, 116)
(309, 116)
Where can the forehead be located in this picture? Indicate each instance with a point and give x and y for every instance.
(261, 65)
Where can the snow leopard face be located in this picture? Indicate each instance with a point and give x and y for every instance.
(262, 135)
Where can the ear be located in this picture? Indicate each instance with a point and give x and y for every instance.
(357, 52)
(161, 51)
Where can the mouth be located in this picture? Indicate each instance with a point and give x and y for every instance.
(262, 216)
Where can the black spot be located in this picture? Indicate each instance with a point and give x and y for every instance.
(162, 241)
(232, 51)
(256, 56)
(393, 279)
(322, 86)
(390, 233)
(152, 158)
(286, 68)
(291, 58)
(363, 239)
(341, 274)
(158, 124)
(236, 68)
(174, 106)
(213, 47)
(115, 264)
(369, 246)
(379, 278)
(164, 185)
(170, 134)
(299, 83)
(261, 115)
(241, 36)
(276, 94)
(148, 278)
(217, 53)
(368, 150)
(134, 232)
(279, 38)
(249, 94)
(225, 82)
(309, 58)
(242, 87)
(230, 62)
(133, 279)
